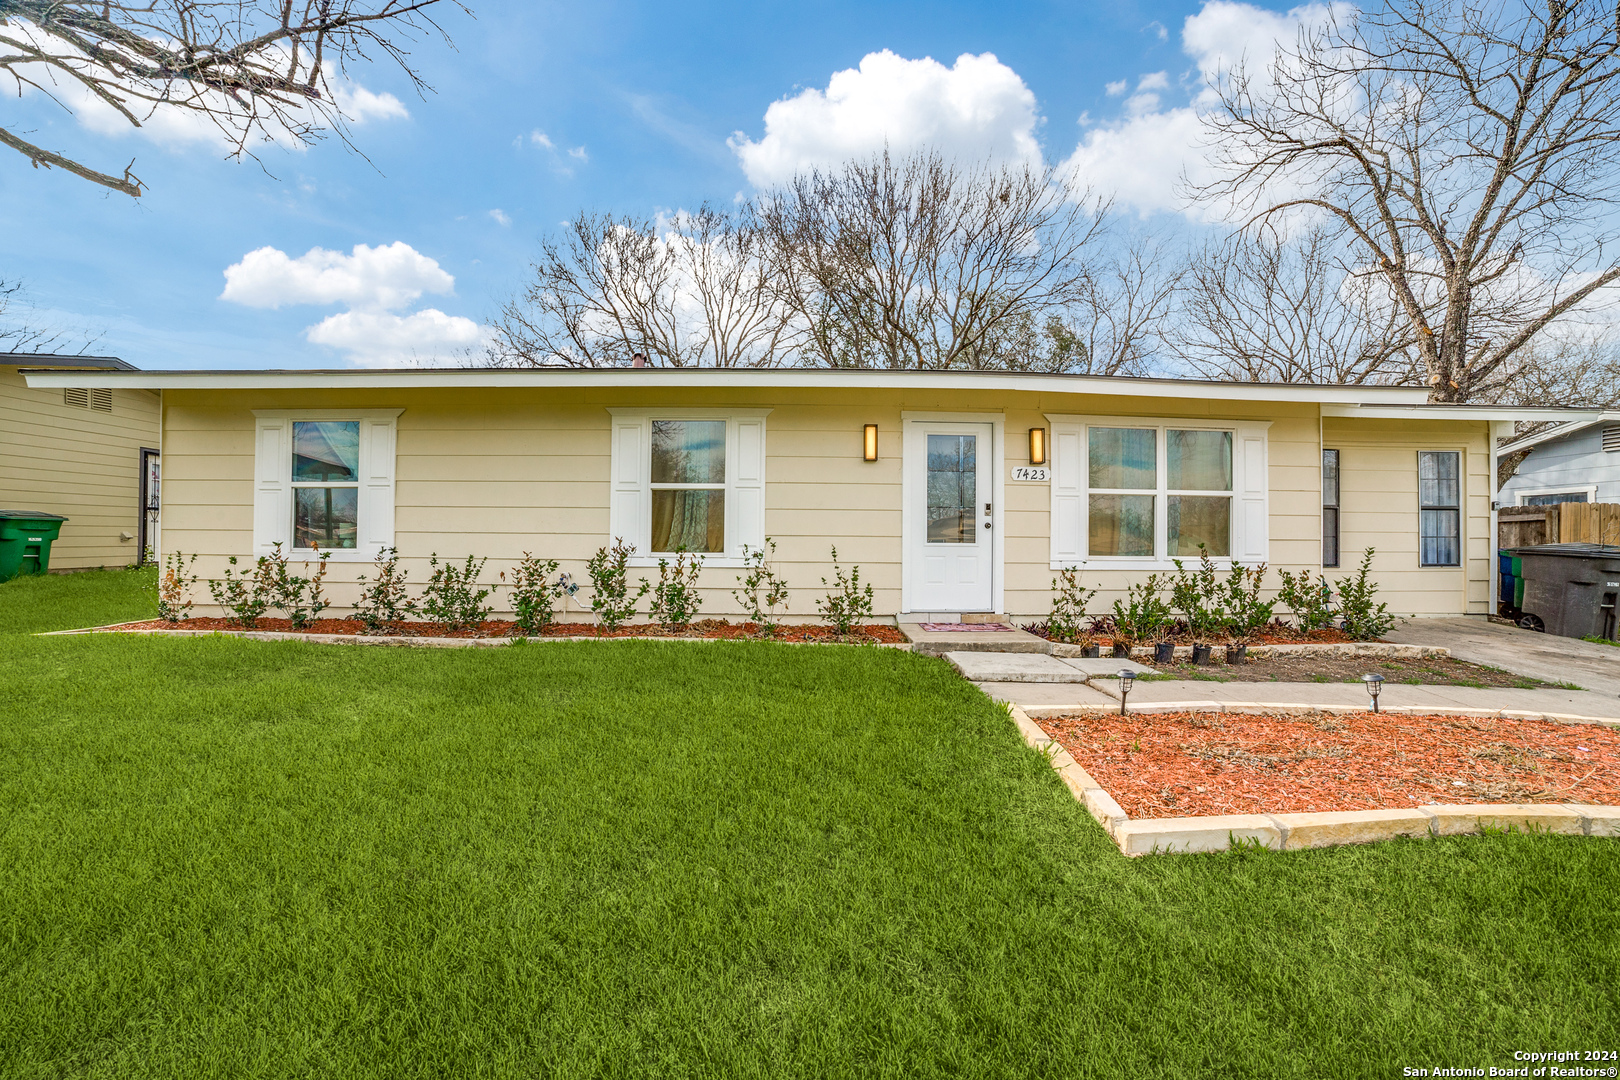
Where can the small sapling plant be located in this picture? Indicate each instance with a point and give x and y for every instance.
(1363, 619)
(1143, 615)
(242, 593)
(452, 597)
(383, 601)
(610, 585)
(174, 587)
(675, 597)
(1069, 600)
(847, 601)
(1197, 595)
(301, 598)
(760, 592)
(1309, 600)
(533, 592)
(1246, 612)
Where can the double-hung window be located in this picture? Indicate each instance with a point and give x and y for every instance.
(689, 480)
(1330, 508)
(324, 481)
(1439, 508)
(1138, 493)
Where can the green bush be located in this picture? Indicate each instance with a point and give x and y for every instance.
(1069, 600)
(453, 598)
(759, 590)
(1363, 620)
(174, 588)
(610, 585)
(242, 593)
(383, 600)
(533, 592)
(1246, 612)
(1197, 594)
(1308, 599)
(675, 597)
(847, 602)
(1143, 615)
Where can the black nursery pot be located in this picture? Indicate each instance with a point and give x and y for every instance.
(1200, 655)
(1237, 654)
(1164, 652)
(1121, 649)
(1091, 650)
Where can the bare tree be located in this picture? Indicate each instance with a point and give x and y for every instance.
(692, 291)
(22, 332)
(1121, 312)
(258, 70)
(1467, 151)
(923, 263)
(1262, 307)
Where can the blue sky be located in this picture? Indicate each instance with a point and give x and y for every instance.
(647, 97)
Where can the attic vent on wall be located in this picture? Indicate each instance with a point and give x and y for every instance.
(99, 399)
(1611, 439)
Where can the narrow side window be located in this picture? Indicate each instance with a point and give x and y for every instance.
(1330, 508)
(1439, 508)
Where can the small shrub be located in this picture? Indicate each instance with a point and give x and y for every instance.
(300, 598)
(1069, 600)
(533, 592)
(759, 590)
(1246, 612)
(675, 597)
(847, 602)
(1309, 600)
(1143, 615)
(610, 585)
(1197, 595)
(452, 597)
(1362, 620)
(174, 587)
(383, 601)
(242, 593)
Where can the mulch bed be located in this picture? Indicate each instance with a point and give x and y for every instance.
(1275, 634)
(703, 628)
(1183, 764)
(1437, 671)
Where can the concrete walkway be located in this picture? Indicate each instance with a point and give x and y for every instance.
(1595, 668)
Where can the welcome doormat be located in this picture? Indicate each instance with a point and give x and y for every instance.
(966, 627)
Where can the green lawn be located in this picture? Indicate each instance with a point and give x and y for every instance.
(223, 858)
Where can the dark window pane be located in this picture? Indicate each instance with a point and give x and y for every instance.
(1121, 525)
(325, 518)
(1439, 538)
(1554, 500)
(953, 488)
(689, 519)
(1199, 460)
(1123, 458)
(326, 450)
(1437, 479)
(688, 452)
(1200, 519)
(1330, 536)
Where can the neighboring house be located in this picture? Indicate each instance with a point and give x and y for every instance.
(931, 481)
(1578, 461)
(86, 452)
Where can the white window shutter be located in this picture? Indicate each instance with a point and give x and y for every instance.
(272, 490)
(1067, 511)
(376, 485)
(628, 506)
(749, 485)
(1253, 544)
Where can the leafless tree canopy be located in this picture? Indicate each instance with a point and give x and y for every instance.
(920, 262)
(692, 291)
(1262, 307)
(257, 69)
(1466, 150)
(21, 331)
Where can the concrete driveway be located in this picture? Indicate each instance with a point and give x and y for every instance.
(1595, 668)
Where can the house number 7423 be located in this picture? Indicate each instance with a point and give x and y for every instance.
(1030, 472)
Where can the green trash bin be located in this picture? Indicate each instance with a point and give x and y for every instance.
(25, 541)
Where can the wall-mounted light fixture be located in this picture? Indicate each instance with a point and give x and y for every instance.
(869, 451)
(1037, 446)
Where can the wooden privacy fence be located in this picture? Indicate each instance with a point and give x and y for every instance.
(1564, 523)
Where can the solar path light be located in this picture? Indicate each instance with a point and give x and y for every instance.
(1374, 683)
(1126, 678)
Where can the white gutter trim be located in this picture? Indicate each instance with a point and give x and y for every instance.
(1385, 411)
(1558, 432)
(780, 378)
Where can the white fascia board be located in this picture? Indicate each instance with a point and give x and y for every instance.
(1392, 411)
(1558, 432)
(776, 378)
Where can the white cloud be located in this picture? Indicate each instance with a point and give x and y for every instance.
(500, 217)
(1116, 88)
(380, 278)
(1142, 157)
(977, 108)
(1158, 30)
(382, 339)
(361, 105)
(579, 153)
(540, 139)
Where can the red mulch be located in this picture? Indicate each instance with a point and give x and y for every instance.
(703, 628)
(1275, 634)
(1183, 764)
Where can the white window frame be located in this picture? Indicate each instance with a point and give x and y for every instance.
(1590, 491)
(1070, 529)
(630, 506)
(273, 487)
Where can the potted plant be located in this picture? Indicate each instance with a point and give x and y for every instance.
(1101, 626)
(1197, 595)
(1245, 612)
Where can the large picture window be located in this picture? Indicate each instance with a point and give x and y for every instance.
(1439, 508)
(1140, 493)
(688, 481)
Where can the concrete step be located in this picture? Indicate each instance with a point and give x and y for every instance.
(940, 642)
(998, 667)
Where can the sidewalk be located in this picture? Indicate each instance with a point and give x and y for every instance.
(1595, 668)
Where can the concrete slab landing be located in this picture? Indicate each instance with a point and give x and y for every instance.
(1013, 668)
(938, 643)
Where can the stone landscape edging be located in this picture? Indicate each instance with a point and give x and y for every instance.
(425, 641)
(1045, 712)
(1299, 831)
(1386, 649)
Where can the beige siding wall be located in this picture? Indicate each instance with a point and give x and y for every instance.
(497, 473)
(81, 463)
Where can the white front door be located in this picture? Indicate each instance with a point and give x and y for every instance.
(950, 563)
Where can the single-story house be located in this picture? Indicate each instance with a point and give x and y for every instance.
(954, 491)
(86, 452)
(1576, 461)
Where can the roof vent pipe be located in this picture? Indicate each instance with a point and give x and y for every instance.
(638, 360)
